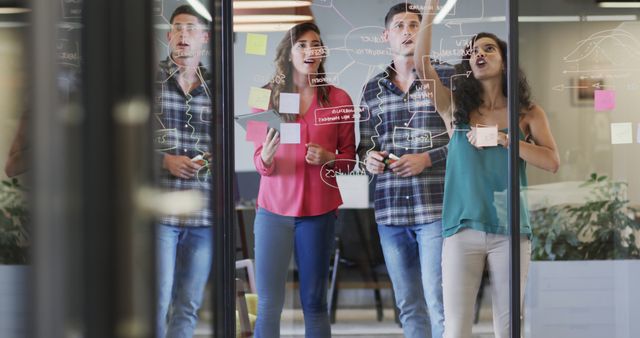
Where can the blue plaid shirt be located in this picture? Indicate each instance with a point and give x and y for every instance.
(406, 123)
(181, 127)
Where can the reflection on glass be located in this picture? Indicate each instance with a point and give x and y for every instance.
(16, 150)
(15, 147)
(182, 141)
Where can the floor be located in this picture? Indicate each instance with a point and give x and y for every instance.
(354, 323)
(362, 323)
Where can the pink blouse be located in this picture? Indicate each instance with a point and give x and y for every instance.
(291, 186)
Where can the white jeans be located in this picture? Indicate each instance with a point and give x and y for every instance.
(463, 259)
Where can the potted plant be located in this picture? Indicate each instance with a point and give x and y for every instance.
(14, 245)
(602, 228)
(14, 237)
(585, 266)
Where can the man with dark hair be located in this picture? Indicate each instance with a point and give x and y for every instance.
(187, 9)
(401, 8)
(182, 142)
(404, 144)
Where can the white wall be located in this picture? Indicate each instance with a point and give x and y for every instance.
(582, 134)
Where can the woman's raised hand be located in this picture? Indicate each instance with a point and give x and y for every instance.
(424, 68)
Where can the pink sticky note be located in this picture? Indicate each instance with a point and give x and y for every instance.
(256, 131)
(604, 100)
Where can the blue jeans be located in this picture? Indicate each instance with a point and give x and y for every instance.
(183, 265)
(413, 256)
(276, 237)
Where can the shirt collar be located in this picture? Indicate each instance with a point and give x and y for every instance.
(169, 68)
(386, 77)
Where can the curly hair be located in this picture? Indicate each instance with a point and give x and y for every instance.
(468, 90)
(284, 67)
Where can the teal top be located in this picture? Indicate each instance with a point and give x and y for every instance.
(475, 188)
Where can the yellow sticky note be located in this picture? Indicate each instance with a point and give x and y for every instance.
(621, 133)
(256, 44)
(259, 98)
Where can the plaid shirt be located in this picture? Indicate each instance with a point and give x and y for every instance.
(406, 123)
(181, 127)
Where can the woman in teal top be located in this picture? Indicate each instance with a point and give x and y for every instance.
(474, 211)
(476, 186)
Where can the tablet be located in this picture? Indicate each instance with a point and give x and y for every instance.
(270, 116)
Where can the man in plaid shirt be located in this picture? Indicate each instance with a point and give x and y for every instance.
(182, 141)
(406, 132)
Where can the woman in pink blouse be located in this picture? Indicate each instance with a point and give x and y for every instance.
(298, 194)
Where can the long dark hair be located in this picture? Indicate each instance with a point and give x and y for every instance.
(285, 67)
(468, 90)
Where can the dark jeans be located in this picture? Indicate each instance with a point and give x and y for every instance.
(276, 237)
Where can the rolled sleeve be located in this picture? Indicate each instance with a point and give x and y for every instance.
(367, 131)
(262, 168)
(439, 155)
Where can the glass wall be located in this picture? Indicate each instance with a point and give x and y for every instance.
(582, 64)
(122, 207)
(344, 219)
(579, 62)
(182, 125)
(367, 64)
(14, 233)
